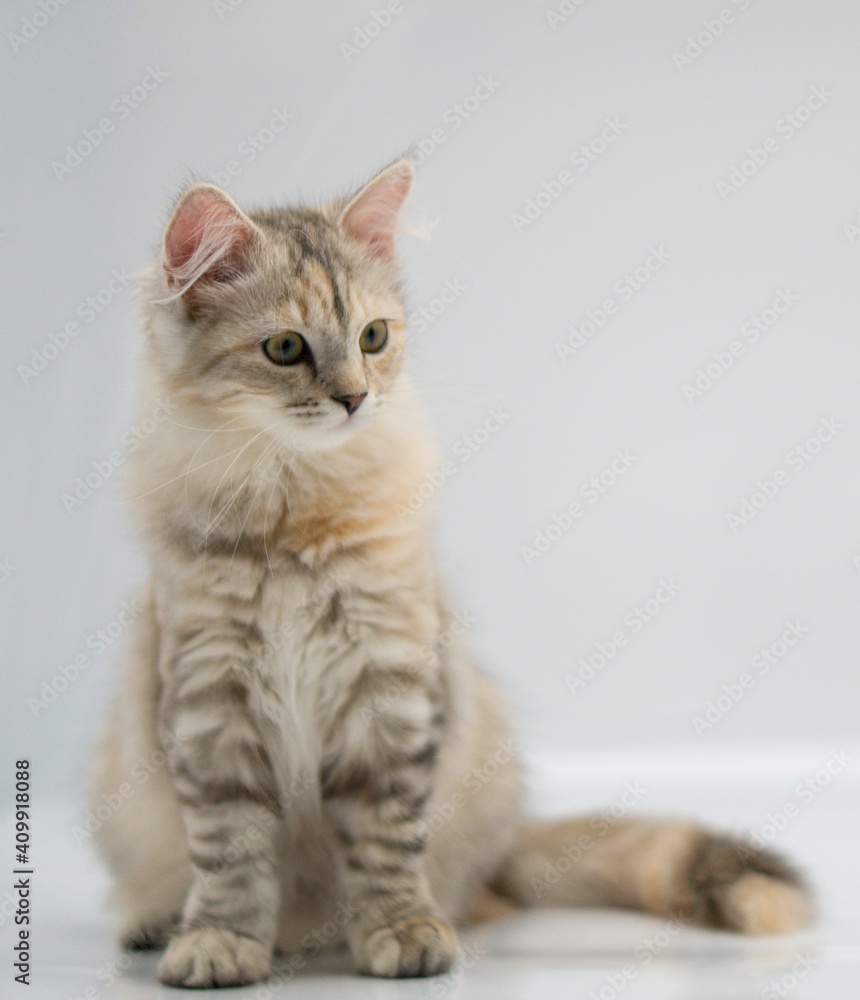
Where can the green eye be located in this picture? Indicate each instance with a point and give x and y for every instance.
(373, 336)
(284, 348)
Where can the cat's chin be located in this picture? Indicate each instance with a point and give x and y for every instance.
(325, 437)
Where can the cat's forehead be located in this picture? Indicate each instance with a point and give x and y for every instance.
(305, 244)
(317, 280)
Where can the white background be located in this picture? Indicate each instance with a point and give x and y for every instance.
(685, 129)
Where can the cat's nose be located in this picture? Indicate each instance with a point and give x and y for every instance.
(351, 403)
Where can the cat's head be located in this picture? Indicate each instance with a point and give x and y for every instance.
(291, 318)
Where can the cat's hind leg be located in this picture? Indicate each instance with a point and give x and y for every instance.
(138, 828)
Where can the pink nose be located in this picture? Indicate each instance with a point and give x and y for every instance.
(351, 403)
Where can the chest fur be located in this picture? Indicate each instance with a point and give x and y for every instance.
(320, 632)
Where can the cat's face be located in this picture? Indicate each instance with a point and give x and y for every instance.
(288, 320)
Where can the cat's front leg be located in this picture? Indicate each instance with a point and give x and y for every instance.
(376, 784)
(225, 785)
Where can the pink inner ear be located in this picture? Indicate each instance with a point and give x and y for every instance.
(206, 239)
(371, 216)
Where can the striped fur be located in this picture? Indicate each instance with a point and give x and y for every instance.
(320, 741)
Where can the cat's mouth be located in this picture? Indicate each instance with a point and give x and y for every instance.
(320, 430)
(350, 422)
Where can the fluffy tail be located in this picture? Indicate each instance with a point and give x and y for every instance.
(673, 869)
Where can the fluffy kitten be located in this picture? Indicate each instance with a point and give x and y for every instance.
(288, 665)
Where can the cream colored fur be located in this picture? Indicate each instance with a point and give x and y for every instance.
(289, 654)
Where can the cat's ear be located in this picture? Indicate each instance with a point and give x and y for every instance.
(371, 215)
(207, 242)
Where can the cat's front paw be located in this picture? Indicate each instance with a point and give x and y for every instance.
(413, 946)
(211, 957)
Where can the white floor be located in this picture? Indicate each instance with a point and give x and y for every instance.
(539, 954)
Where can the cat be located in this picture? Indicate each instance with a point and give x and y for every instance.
(289, 719)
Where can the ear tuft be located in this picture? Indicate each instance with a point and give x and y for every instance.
(371, 215)
(206, 241)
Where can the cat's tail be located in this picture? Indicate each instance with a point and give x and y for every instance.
(674, 869)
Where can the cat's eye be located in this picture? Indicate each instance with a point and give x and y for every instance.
(373, 336)
(285, 348)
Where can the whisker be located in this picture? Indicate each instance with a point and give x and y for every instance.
(187, 472)
(211, 524)
(210, 527)
(272, 448)
(212, 430)
(268, 506)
